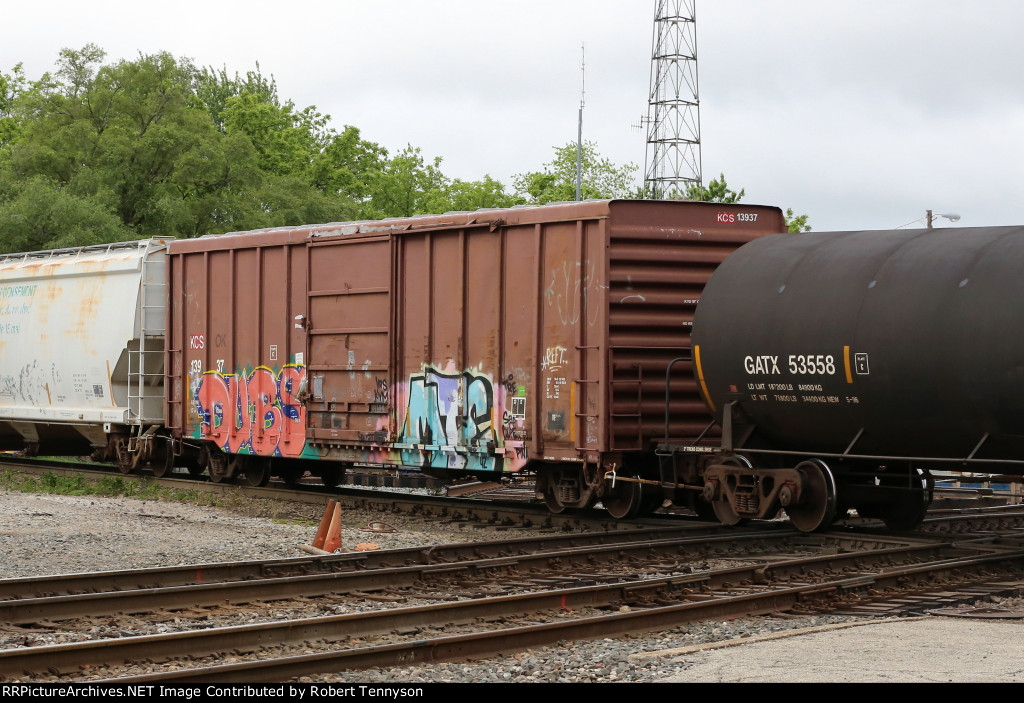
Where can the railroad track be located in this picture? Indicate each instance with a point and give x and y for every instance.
(490, 509)
(480, 503)
(856, 574)
(471, 570)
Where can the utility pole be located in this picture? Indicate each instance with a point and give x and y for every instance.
(672, 160)
(930, 218)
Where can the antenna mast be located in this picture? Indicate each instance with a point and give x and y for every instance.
(672, 160)
(579, 136)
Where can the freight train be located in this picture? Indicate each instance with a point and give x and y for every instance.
(552, 340)
(531, 339)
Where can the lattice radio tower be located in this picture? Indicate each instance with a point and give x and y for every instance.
(672, 159)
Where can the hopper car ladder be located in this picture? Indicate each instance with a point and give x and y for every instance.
(145, 363)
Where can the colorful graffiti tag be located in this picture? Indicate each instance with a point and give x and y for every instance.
(454, 420)
(460, 421)
(258, 412)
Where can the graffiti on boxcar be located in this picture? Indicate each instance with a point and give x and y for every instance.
(570, 289)
(452, 417)
(380, 395)
(554, 358)
(258, 412)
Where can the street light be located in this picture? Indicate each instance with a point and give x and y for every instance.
(951, 216)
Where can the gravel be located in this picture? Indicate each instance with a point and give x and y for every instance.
(51, 534)
(56, 534)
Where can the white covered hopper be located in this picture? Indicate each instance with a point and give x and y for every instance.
(81, 343)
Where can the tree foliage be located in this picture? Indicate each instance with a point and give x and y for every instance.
(126, 141)
(557, 181)
(101, 151)
(11, 87)
(796, 223)
(716, 191)
(157, 147)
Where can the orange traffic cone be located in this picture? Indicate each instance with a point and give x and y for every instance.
(325, 524)
(333, 542)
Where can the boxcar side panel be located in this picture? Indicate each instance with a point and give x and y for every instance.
(238, 348)
(450, 397)
(349, 334)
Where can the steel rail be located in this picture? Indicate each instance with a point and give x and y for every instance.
(493, 642)
(480, 571)
(69, 657)
(216, 572)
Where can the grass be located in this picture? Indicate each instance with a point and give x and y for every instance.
(106, 486)
(141, 488)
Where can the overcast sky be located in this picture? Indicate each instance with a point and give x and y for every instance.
(862, 115)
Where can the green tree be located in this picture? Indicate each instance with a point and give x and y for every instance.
(134, 144)
(600, 178)
(11, 87)
(796, 223)
(42, 215)
(156, 147)
(716, 191)
(408, 185)
(478, 195)
(128, 137)
(291, 142)
(213, 89)
(348, 165)
(284, 140)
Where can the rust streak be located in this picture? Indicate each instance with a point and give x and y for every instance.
(110, 386)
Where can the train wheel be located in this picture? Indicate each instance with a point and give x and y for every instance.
(625, 499)
(162, 462)
(291, 476)
(216, 464)
(123, 456)
(721, 507)
(817, 507)
(160, 469)
(551, 501)
(333, 477)
(256, 471)
(725, 514)
(908, 506)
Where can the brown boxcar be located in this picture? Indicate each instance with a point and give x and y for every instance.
(460, 344)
